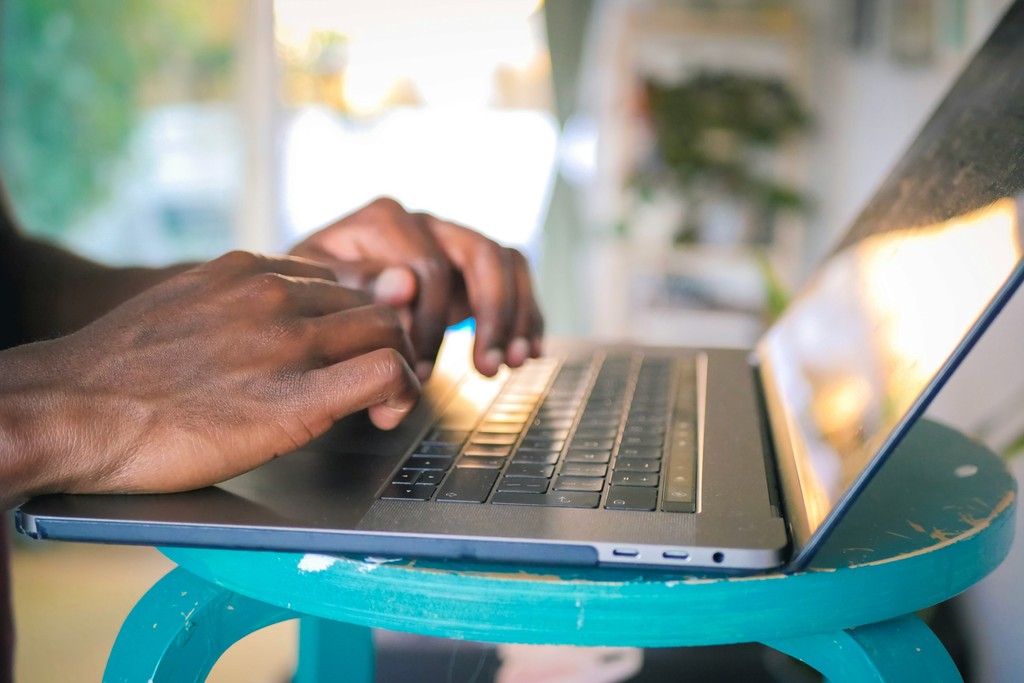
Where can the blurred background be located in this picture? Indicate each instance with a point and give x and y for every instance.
(673, 169)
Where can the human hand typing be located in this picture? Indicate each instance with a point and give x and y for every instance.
(436, 273)
(199, 379)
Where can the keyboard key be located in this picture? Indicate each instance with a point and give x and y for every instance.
(553, 434)
(429, 478)
(643, 453)
(429, 462)
(638, 417)
(631, 498)
(453, 436)
(597, 420)
(648, 440)
(649, 427)
(508, 417)
(466, 485)
(597, 432)
(565, 483)
(648, 411)
(637, 465)
(405, 476)
(634, 479)
(540, 444)
(501, 428)
(408, 492)
(579, 469)
(494, 438)
(523, 485)
(592, 444)
(481, 462)
(563, 412)
(552, 423)
(601, 457)
(528, 470)
(518, 398)
(535, 457)
(564, 401)
(438, 449)
(560, 499)
(494, 450)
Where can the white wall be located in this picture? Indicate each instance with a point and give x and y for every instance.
(868, 107)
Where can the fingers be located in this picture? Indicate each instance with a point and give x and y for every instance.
(499, 293)
(343, 321)
(493, 298)
(438, 272)
(435, 281)
(392, 285)
(380, 380)
(236, 262)
(312, 297)
(399, 286)
(347, 334)
(528, 329)
(387, 250)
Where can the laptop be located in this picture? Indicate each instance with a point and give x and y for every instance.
(681, 459)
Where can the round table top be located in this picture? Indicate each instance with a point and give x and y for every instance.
(937, 518)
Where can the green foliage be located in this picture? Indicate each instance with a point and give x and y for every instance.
(73, 75)
(710, 131)
(70, 72)
(777, 297)
(1015, 449)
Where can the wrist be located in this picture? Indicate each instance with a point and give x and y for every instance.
(32, 460)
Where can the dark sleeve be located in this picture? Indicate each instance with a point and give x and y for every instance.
(46, 291)
(11, 314)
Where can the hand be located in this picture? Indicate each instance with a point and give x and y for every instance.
(201, 378)
(437, 273)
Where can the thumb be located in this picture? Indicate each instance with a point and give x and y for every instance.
(391, 285)
(394, 286)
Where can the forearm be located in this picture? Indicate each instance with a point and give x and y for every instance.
(61, 292)
(28, 406)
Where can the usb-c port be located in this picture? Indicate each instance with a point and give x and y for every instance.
(626, 552)
(676, 555)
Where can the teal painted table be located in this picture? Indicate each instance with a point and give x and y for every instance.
(938, 519)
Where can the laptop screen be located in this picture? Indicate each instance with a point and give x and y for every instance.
(866, 344)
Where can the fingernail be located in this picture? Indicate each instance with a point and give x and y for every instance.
(424, 369)
(493, 359)
(518, 351)
(392, 286)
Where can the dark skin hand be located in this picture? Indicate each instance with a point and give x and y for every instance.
(198, 379)
(436, 273)
(225, 366)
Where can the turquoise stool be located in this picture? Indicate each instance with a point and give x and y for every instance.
(937, 520)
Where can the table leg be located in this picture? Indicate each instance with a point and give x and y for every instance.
(180, 628)
(334, 651)
(901, 649)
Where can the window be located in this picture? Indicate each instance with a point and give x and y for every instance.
(444, 106)
(119, 128)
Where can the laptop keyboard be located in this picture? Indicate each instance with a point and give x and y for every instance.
(614, 431)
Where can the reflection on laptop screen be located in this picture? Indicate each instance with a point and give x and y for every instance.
(854, 354)
(857, 354)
